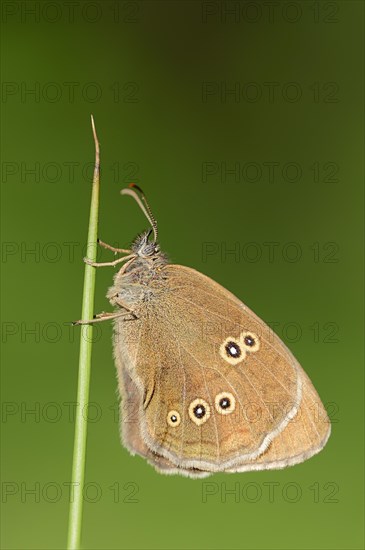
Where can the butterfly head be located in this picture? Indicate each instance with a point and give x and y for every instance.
(143, 247)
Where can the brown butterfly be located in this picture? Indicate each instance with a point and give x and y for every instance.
(206, 385)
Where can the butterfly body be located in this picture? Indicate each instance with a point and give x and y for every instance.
(206, 385)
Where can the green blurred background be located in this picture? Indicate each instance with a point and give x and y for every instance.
(182, 93)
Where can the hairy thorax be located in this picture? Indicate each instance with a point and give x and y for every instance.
(140, 284)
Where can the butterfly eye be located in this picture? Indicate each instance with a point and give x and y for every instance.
(173, 418)
(250, 341)
(232, 351)
(199, 411)
(225, 403)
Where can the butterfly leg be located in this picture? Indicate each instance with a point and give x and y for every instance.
(106, 316)
(104, 264)
(103, 316)
(119, 302)
(113, 249)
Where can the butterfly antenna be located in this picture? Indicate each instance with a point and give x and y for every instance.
(143, 204)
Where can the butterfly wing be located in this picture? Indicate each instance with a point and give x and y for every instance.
(130, 407)
(218, 390)
(304, 436)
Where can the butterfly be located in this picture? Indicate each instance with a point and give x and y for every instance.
(206, 386)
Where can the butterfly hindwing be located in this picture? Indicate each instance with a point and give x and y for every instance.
(216, 387)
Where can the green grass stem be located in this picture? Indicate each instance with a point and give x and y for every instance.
(79, 454)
